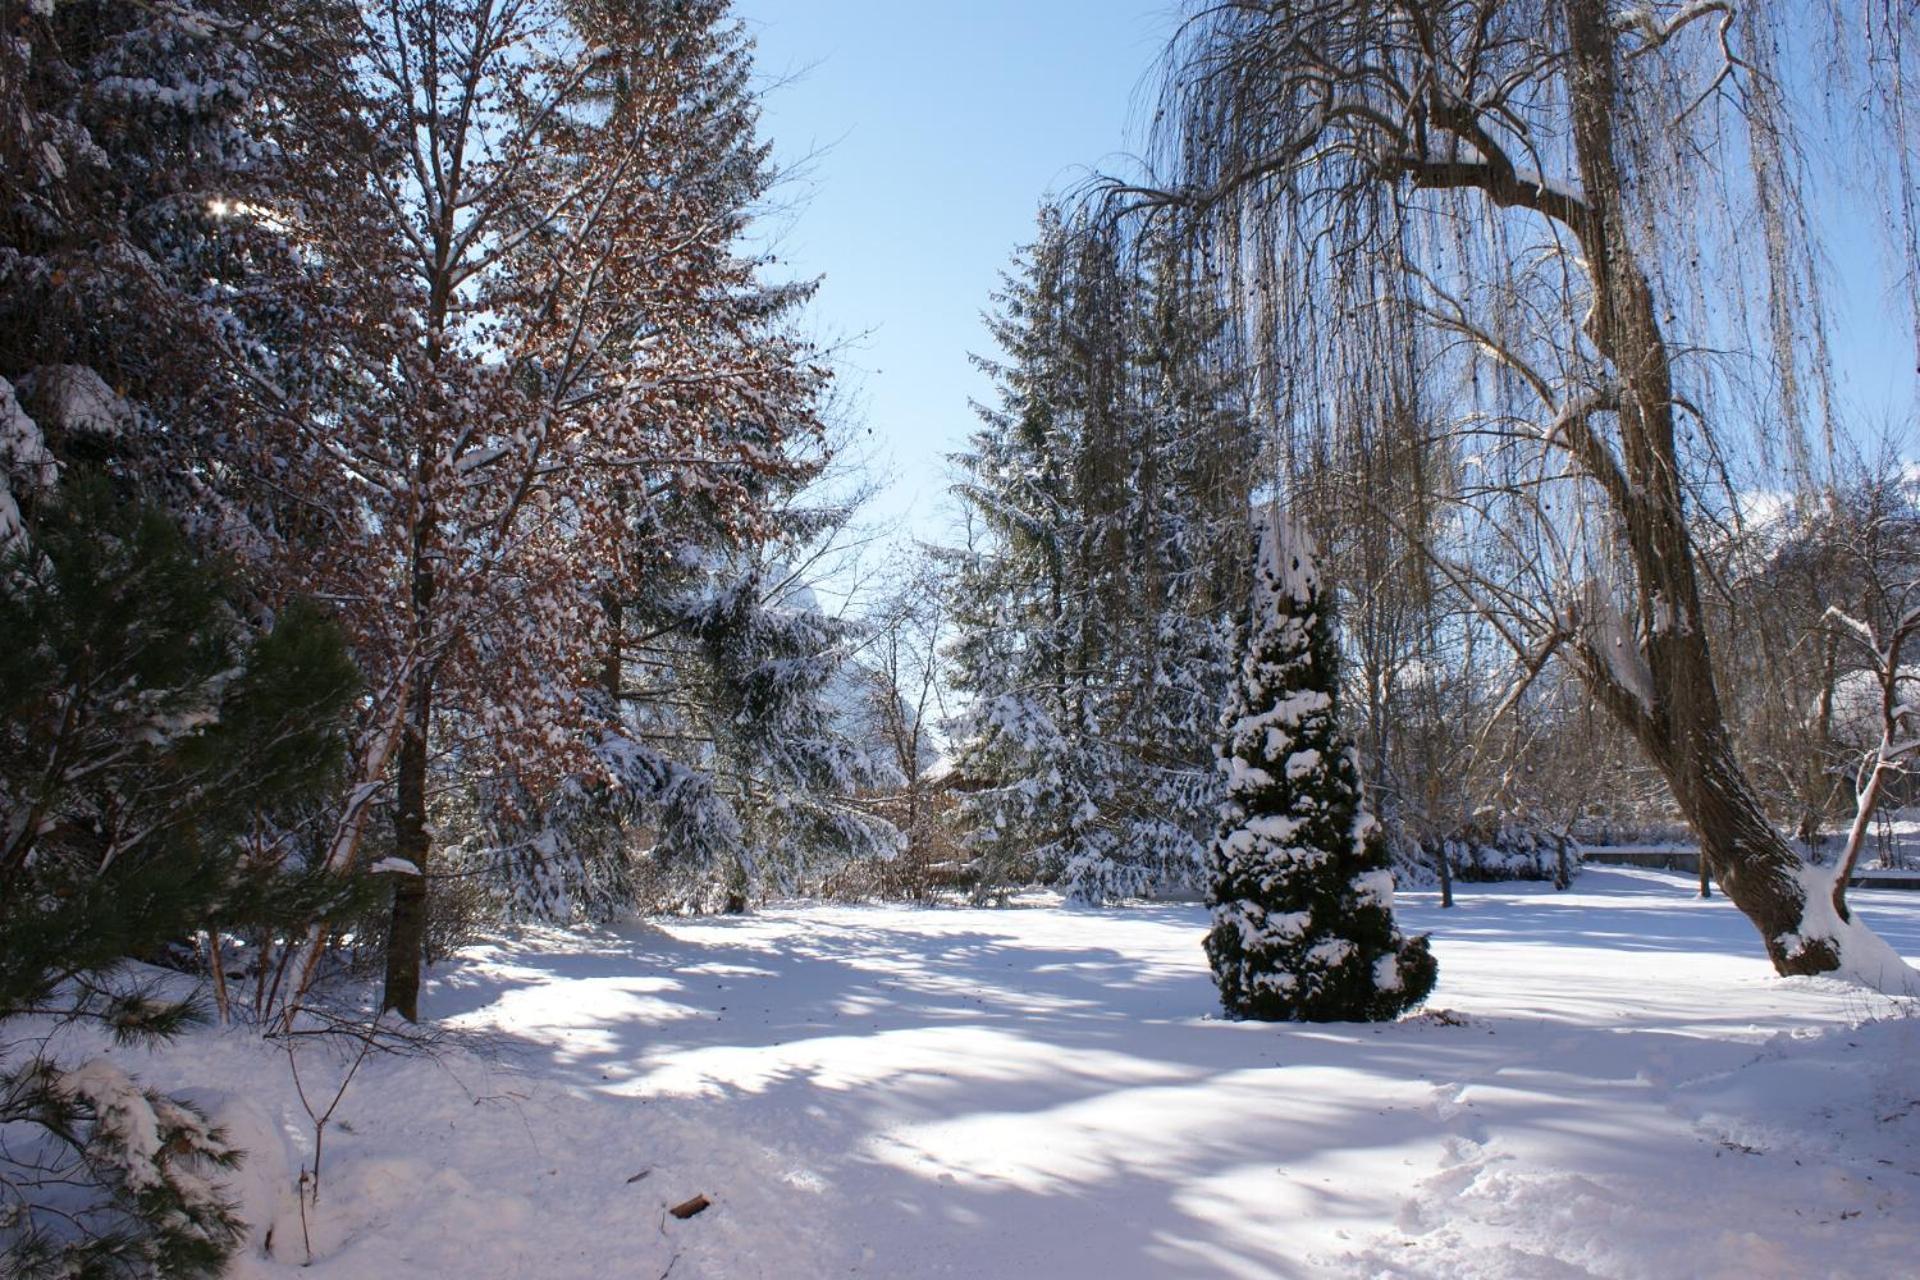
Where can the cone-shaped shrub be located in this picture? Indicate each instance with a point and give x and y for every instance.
(1302, 895)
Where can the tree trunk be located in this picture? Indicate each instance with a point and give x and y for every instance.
(407, 935)
(1756, 867)
(1821, 786)
(612, 661)
(1678, 720)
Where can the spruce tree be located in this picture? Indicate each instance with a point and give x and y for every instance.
(1033, 779)
(730, 770)
(1302, 895)
(1092, 625)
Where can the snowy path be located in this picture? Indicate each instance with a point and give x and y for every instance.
(1620, 1090)
(898, 1092)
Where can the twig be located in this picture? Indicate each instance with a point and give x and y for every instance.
(309, 1185)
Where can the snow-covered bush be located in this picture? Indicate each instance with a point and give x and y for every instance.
(1505, 851)
(1302, 891)
(102, 1177)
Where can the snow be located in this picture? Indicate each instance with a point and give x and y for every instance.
(25, 465)
(74, 399)
(1609, 1082)
(125, 1117)
(1856, 705)
(1375, 886)
(1866, 958)
(1284, 566)
(1242, 776)
(1621, 652)
(1302, 763)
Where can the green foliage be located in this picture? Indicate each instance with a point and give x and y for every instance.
(148, 743)
(113, 1181)
(1302, 891)
(155, 757)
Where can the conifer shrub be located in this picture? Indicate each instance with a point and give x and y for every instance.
(1302, 891)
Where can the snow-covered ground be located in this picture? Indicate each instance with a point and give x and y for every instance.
(1609, 1082)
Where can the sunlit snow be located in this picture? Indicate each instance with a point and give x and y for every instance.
(1608, 1082)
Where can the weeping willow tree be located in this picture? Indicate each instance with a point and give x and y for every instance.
(1573, 245)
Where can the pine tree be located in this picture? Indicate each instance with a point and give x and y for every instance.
(730, 769)
(768, 659)
(157, 759)
(1302, 892)
(139, 305)
(1191, 457)
(161, 318)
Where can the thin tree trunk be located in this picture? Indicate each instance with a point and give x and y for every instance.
(217, 969)
(612, 663)
(1820, 797)
(344, 847)
(407, 935)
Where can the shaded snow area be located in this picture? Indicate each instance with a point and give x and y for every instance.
(1609, 1083)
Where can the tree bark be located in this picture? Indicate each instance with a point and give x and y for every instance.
(1756, 867)
(1680, 725)
(613, 660)
(407, 934)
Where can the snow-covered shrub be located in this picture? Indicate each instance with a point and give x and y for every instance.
(1302, 891)
(1504, 851)
(932, 865)
(102, 1177)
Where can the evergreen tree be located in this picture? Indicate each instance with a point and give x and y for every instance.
(768, 665)
(1191, 458)
(1302, 892)
(1091, 609)
(1033, 780)
(157, 758)
(730, 769)
(140, 307)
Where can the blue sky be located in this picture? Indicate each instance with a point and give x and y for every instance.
(934, 131)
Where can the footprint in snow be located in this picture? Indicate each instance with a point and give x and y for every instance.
(1448, 1106)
